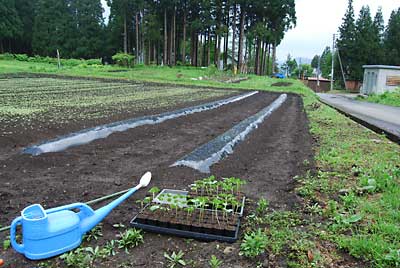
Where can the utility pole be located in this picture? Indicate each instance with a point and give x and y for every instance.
(319, 70)
(333, 59)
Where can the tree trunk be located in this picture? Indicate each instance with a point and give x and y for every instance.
(226, 41)
(173, 34)
(268, 58)
(149, 58)
(241, 39)
(1, 46)
(218, 50)
(170, 33)
(203, 50)
(142, 41)
(184, 39)
(192, 48)
(246, 56)
(209, 47)
(260, 70)
(257, 60)
(234, 38)
(137, 38)
(265, 58)
(273, 57)
(125, 35)
(165, 54)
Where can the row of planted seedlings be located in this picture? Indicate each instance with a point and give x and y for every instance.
(210, 206)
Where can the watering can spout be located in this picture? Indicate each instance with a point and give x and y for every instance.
(88, 223)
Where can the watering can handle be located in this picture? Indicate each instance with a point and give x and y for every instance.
(13, 237)
(85, 210)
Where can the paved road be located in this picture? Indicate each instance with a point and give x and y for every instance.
(383, 117)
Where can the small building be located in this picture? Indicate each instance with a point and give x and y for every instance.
(380, 78)
(324, 84)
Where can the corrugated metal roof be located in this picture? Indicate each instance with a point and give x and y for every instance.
(381, 67)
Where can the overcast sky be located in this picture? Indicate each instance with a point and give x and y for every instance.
(318, 20)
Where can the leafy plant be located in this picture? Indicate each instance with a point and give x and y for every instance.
(123, 59)
(254, 244)
(154, 191)
(214, 262)
(95, 233)
(393, 257)
(6, 243)
(130, 238)
(262, 206)
(109, 248)
(175, 259)
(80, 258)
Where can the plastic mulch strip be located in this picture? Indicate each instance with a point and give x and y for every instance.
(212, 152)
(88, 135)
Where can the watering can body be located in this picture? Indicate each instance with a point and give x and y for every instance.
(47, 233)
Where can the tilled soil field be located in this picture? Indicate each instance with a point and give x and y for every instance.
(268, 159)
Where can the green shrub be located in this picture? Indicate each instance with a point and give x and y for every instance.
(123, 59)
(21, 57)
(6, 56)
(212, 70)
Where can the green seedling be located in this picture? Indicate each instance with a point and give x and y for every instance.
(7, 243)
(129, 239)
(254, 244)
(154, 191)
(109, 248)
(175, 259)
(146, 200)
(262, 206)
(216, 203)
(154, 208)
(189, 210)
(95, 233)
(140, 201)
(214, 262)
(81, 257)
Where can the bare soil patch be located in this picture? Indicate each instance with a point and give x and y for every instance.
(268, 159)
(282, 84)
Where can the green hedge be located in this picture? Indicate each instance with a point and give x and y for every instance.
(40, 59)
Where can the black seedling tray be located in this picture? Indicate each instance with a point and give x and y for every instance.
(204, 234)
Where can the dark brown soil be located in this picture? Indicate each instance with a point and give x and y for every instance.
(282, 84)
(268, 159)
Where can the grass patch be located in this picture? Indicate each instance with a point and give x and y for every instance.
(387, 98)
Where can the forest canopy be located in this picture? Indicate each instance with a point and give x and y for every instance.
(230, 34)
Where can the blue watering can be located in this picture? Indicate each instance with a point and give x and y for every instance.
(47, 233)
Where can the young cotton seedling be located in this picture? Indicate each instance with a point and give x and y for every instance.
(189, 211)
(216, 202)
(154, 191)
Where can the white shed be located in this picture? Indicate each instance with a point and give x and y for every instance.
(380, 78)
